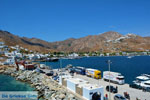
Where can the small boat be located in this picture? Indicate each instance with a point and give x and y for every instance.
(49, 60)
(130, 57)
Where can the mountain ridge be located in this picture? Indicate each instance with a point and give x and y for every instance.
(110, 41)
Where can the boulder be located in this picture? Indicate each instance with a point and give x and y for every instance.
(62, 96)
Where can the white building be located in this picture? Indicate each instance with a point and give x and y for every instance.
(107, 54)
(82, 87)
(73, 55)
(10, 61)
(1, 45)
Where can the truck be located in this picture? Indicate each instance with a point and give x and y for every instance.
(93, 73)
(80, 70)
(114, 77)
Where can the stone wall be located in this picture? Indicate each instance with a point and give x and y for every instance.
(47, 88)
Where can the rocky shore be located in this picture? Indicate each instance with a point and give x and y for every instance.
(47, 88)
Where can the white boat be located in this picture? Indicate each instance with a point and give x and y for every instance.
(147, 75)
(141, 79)
(130, 57)
(145, 84)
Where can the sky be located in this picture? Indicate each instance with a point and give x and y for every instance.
(57, 20)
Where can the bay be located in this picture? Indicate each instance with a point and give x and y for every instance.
(130, 68)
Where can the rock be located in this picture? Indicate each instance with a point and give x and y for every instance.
(52, 98)
(41, 98)
(48, 94)
(8, 71)
(47, 88)
(21, 77)
(62, 96)
(53, 95)
(1, 71)
(71, 96)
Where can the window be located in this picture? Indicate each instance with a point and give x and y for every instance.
(120, 78)
(117, 97)
(147, 83)
(98, 73)
(122, 98)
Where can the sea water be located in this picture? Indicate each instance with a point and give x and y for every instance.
(129, 67)
(8, 83)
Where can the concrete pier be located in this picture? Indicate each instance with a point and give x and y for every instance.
(134, 93)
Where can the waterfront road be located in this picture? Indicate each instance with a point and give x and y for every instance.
(134, 93)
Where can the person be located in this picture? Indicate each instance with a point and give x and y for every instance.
(117, 88)
(56, 74)
(106, 96)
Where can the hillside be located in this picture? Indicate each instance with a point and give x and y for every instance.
(12, 40)
(106, 42)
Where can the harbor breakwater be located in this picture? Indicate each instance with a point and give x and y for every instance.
(47, 88)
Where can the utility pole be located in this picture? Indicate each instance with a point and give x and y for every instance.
(109, 62)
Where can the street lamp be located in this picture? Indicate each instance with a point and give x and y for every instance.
(60, 66)
(109, 62)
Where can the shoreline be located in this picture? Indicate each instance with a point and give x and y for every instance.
(47, 88)
(21, 83)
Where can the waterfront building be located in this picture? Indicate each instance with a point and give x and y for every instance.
(83, 88)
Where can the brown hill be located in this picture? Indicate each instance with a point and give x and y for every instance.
(106, 42)
(12, 40)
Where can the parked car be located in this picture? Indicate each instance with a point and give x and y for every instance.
(146, 89)
(41, 71)
(119, 97)
(50, 73)
(135, 86)
(112, 89)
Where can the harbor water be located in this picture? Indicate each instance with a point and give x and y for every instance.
(129, 67)
(8, 83)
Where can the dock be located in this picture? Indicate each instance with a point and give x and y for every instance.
(134, 93)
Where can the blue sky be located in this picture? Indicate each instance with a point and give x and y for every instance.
(55, 20)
